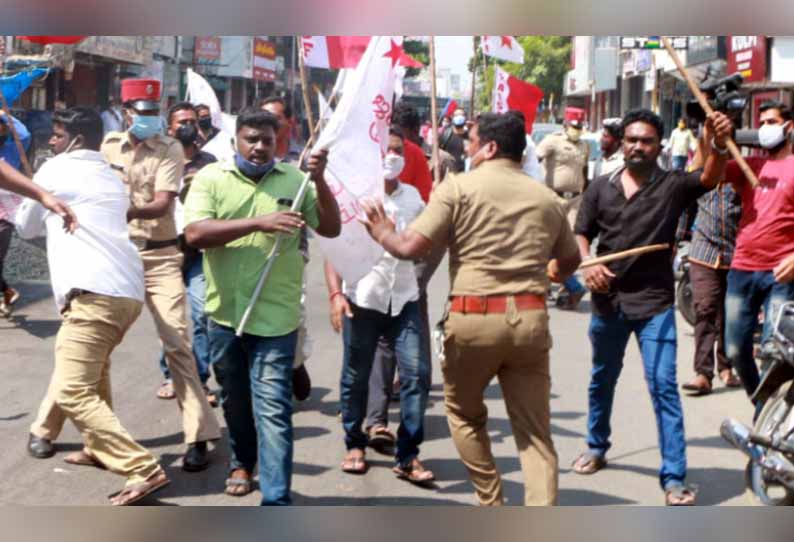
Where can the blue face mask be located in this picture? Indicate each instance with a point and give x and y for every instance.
(252, 170)
(144, 127)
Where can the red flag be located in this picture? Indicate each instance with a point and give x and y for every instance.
(513, 94)
(450, 108)
(47, 40)
(336, 52)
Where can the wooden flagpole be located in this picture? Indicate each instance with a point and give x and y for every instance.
(434, 111)
(704, 103)
(623, 254)
(473, 77)
(307, 101)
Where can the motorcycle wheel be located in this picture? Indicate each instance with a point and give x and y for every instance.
(683, 299)
(762, 489)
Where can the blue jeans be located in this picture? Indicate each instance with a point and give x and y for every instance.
(255, 375)
(573, 285)
(748, 292)
(657, 340)
(679, 163)
(196, 290)
(361, 334)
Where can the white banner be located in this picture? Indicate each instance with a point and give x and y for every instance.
(357, 137)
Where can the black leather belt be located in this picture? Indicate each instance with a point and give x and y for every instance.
(154, 245)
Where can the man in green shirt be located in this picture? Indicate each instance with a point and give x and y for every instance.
(234, 211)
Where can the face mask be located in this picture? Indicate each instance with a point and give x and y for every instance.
(205, 123)
(573, 133)
(771, 135)
(252, 170)
(70, 145)
(458, 121)
(186, 134)
(393, 165)
(144, 126)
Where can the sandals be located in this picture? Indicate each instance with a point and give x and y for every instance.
(679, 495)
(354, 464)
(212, 397)
(589, 463)
(414, 472)
(239, 487)
(135, 492)
(83, 458)
(381, 439)
(166, 391)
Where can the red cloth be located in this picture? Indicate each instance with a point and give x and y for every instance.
(46, 40)
(416, 171)
(766, 229)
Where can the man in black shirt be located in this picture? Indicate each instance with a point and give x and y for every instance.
(639, 205)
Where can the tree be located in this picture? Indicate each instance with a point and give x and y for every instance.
(420, 51)
(546, 61)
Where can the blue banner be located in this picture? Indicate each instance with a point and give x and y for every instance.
(13, 86)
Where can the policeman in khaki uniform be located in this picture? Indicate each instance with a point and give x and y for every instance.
(507, 237)
(152, 166)
(565, 156)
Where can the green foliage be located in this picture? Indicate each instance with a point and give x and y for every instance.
(420, 51)
(546, 60)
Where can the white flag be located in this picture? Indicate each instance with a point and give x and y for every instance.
(199, 92)
(325, 107)
(357, 137)
(503, 47)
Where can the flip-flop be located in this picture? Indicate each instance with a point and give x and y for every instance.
(414, 472)
(381, 440)
(355, 465)
(589, 463)
(247, 485)
(155, 482)
(166, 391)
(679, 496)
(83, 459)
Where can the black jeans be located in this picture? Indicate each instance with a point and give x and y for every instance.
(385, 364)
(6, 230)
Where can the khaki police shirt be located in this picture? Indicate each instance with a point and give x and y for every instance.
(155, 165)
(564, 161)
(501, 227)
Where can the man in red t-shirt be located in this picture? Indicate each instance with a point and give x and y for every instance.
(762, 271)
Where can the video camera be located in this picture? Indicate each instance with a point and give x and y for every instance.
(723, 96)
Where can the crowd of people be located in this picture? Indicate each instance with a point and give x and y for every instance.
(134, 217)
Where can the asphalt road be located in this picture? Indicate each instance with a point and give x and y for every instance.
(26, 346)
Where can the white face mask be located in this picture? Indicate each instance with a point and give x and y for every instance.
(393, 165)
(771, 135)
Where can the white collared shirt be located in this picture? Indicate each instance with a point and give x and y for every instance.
(99, 256)
(391, 281)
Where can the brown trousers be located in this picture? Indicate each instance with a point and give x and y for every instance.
(166, 300)
(708, 294)
(80, 388)
(513, 347)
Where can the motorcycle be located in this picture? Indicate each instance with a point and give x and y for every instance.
(769, 444)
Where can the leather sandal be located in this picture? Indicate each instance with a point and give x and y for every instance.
(699, 385)
(135, 492)
(729, 379)
(589, 463)
(414, 472)
(83, 458)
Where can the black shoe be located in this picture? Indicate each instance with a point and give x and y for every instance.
(195, 459)
(40, 448)
(301, 383)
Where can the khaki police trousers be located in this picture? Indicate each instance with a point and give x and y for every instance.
(80, 388)
(167, 301)
(513, 347)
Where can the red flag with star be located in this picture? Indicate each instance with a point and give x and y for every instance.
(503, 47)
(336, 52)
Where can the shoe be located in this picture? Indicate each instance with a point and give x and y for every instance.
(729, 379)
(195, 459)
(699, 385)
(10, 296)
(301, 383)
(40, 448)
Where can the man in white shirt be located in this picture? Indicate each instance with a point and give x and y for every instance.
(97, 280)
(385, 302)
(112, 119)
(682, 142)
(611, 147)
